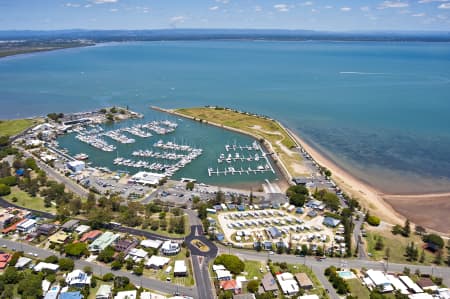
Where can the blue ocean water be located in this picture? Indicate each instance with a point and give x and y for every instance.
(380, 110)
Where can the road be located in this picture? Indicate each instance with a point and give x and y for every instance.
(100, 270)
(362, 255)
(70, 185)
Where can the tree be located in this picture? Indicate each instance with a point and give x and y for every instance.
(379, 245)
(106, 255)
(75, 249)
(373, 220)
(397, 229)
(253, 286)
(190, 186)
(116, 265)
(11, 275)
(108, 277)
(66, 264)
(434, 239)
(231, 262)
(53, 259)
(406, 229)
(422, 256)
(4, 190)
(30, 286)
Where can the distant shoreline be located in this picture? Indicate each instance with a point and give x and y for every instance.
(25, 51)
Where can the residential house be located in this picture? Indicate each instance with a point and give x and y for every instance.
(228, 285)
(104, 292)
(59, 237)
(126, 295)
(180, 268)
(136, 254)
(4, 260)
(274, 232)
(6, 219)
(78, 278)
(81, 229)
(22, 262)
(379, 280)
(155, 244)
(150, 295)
(304, 281)
(46, 229)
(27, 226)
(124, 245)
(268, 283)
(45, 266)
(288, 283)
(105, 240)
(91, 236)
(427, 284)
(70, 225)
(157, 262)
(170, 248)
(244, 296)
(223, 275)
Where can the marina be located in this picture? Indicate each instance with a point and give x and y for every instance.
(243, 153)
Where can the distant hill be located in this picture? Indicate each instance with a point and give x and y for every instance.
(217, 34)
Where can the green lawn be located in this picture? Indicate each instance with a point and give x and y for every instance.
(297, 268)
(253, 269)
(357, 289)
(26, 201)
(397, 246)
(259, 127)
(159, 231)
(15, 126)
(162, 275)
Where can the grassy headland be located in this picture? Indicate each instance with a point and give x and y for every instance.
(16, 126)
(260, 127)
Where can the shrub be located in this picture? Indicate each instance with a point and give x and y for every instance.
(4, 190)
(231, 262)
(108, 277)
(373, 220)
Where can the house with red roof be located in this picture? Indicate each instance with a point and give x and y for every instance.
(4, 260)
(229, 285)
(91, 236)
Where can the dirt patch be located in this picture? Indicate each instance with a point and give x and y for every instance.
(430, 212)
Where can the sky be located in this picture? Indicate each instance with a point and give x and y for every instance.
(330, 15)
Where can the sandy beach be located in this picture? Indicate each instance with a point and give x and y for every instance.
(370, 198)
(428, 210)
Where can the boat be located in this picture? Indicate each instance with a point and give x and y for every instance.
(81, 156)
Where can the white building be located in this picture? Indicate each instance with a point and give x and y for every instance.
(81, 229)
(27, 226)
(146, 178)
(223, 275)
(288, 284)
(150, 295)
(136, 254)
(45, 266)
(180, 268)
(380, 280)
(104, 292)
(412, 286)
(170, 248)
(78, 278)
(157, 262)
(155, 244)
(76, 166)
(22, 262)
(398, 285)
(126, 295)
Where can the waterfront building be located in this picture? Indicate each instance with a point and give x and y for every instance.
(76, 166)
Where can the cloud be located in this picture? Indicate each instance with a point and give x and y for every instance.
(364, 8)
(88, 5)
(346, 9)
(281, 7)
(444, 6)
(418, 15)
(328, 6)
(392, 4)
(429, 1)
(258, 8)
(307, 3)
(214, 7)
(72, 4)
(174, 21)
(113, 10)
(104, 1)
(223, 1)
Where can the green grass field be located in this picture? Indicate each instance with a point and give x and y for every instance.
(26, 201)
(258, 127)
(357, 289)
(15, 126)
(253, 269)
(162, 232)
(397, 247)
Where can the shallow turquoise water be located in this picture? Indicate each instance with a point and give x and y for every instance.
(380, 110)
